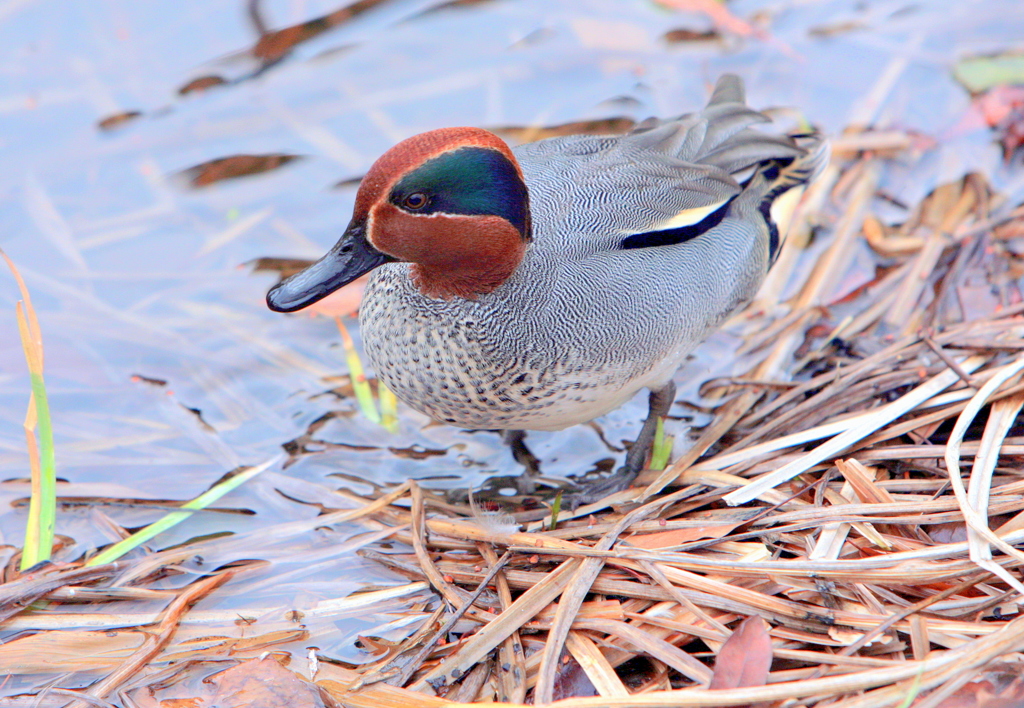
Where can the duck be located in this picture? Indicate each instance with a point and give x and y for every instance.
(541, 286)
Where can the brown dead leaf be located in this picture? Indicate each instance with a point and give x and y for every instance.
(571, 681)
(677, 537)
(117, 120)
(836, 29)
(599, 126)
(201, 84)
(983, 694)
(207, 173)
(681, 35)
(262, 683)
(746, 657)
(237, 647)
(948, 532)
(274, 45)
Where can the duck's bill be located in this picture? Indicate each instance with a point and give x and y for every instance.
(351, 257)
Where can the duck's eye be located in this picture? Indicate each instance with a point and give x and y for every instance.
(416, 200)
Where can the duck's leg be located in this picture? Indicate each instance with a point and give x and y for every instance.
(659, 403)
(516, 440)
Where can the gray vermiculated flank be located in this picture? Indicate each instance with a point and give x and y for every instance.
(582, 324)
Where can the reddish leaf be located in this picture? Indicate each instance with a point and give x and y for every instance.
(1002, 687)
(263, 683)
(677, 537)
(745, 658)
(571, 681)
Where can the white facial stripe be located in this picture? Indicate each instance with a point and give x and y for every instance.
(369, 226)
(782, 209)
(689, 217)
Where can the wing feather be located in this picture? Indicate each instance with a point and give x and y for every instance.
(672, 176)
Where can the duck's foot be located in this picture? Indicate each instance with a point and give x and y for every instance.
(528, 488)
(659, 403)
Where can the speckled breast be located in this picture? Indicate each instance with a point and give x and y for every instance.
(465, 363)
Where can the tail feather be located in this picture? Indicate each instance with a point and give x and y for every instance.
(786, 184)
(728, 89)
(752, 147)
(711, 158)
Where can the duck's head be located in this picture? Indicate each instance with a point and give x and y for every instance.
(452, 202)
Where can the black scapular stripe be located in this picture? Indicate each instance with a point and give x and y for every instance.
(668, 237)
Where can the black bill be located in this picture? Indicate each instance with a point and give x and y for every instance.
(351, 256)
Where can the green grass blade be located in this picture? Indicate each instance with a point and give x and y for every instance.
(225, 485)
(31, 550)
(915, 688)
(556, 509)
(42, 512)
(42, 516)
(662, 448)
(388, 407)
(364, 394)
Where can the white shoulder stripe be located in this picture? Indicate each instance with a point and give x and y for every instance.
(689, 217)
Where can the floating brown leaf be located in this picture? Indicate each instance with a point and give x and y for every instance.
(681, 35)
(275, 44)
(118, 120)
(599, 126)
(201, 84)
(207, 173)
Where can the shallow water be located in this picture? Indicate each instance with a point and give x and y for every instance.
(135, 273)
